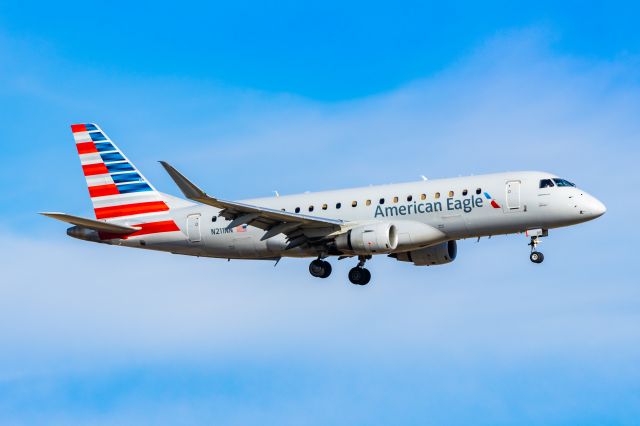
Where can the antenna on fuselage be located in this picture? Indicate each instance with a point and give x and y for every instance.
(276, 192)
(423, 177)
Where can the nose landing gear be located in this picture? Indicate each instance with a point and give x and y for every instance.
(535, 256)
(536, 234)
(360, 275)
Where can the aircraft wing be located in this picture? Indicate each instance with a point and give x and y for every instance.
(96, 225)
(299, 228)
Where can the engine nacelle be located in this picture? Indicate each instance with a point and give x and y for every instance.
(378, 237)
(435, 255)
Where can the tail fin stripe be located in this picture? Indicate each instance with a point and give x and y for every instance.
(123, 199)
(133, 187)
(86, 148)
(94, 169)
(103, 190)
(111, 157)
(131, 209)
(97, 137)
(127, 177)
(90, 158)
(119, 167)
(145, 229)
(105, 147)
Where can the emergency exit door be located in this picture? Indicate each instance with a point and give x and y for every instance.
(193, 228)
(513, 195)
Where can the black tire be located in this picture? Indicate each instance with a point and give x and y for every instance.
(536, 257)
(366, 278)
(327, 269)
(317, 268)
(355, 275)
(359, 276)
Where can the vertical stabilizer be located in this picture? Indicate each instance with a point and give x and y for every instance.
(118, 191)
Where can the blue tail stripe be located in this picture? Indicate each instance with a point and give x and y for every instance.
(105, 146)
(110, 157)
(126, 177)
(120, 167)
(133, 187)
(97, 136)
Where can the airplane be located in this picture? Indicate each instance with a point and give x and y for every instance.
(415, 222)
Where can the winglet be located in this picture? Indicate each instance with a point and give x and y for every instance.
(188, 188)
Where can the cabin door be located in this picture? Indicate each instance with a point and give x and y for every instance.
(193, 228)
(513, 195)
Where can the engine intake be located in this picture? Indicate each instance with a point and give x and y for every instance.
(435, 255)
(366, 239)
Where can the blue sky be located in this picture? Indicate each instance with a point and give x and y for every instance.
(259, 97)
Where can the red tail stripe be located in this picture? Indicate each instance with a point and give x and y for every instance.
(147, 228)
(130, 209)
(94, 169)
(86, 148)
(102, 190)
(75, 128)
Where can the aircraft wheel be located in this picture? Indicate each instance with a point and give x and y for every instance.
(536, 257)
(320, 269)
(359, 276)
(327, 269)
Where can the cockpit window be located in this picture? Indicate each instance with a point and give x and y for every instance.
(546, 183)
(562, 182)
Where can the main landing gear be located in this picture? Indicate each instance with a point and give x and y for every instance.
(535, 256)
(320, 268)
(359, 275)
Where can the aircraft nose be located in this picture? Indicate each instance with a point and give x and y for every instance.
(594, 207)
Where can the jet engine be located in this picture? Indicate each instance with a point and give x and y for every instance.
(435, 255)
(378, 237)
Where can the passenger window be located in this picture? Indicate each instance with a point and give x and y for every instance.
(478, 191)
(465, 192)
(354, 204)
(546, 183)
(338, 205)
(395, 199)
(381, 200)
(423, 196)
(297, 209)
(450, 194)
(213, 219)
(368, 202)
(324, 207)
(410, 198)
(310, 208)
(437, 195)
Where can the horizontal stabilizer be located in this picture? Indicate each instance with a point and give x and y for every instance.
(96, 225)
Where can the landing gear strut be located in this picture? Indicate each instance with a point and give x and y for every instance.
(360, 275)
(535, 256)
(320, 268)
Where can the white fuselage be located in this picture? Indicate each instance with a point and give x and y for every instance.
(457, 207)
